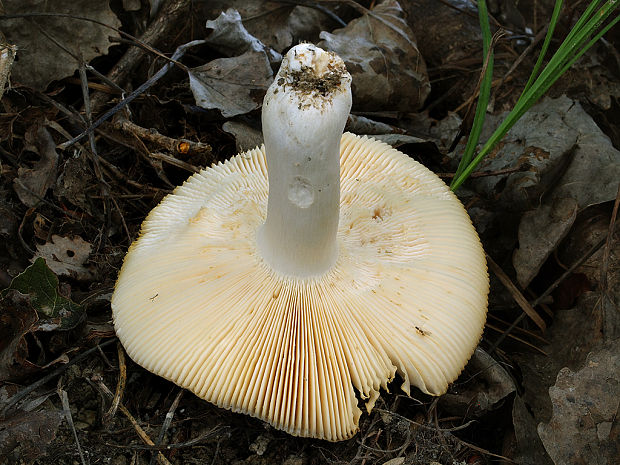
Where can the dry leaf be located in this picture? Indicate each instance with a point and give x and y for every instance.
(231, 38)
(489, 384)
(7, 58)
(66, 257)
(277, 25)
(590, 178)
(32, 183)
(566, 155)
(381, 54)
(584, 427)
(234, 86)
(40, 58)
(246, 137)
(25, 436)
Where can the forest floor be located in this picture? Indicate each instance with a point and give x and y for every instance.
(77, 182)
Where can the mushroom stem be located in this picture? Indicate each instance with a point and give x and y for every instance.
(304, 114)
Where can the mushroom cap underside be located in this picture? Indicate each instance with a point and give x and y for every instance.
(196, 304)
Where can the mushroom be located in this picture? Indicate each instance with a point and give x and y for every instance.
(288, 293)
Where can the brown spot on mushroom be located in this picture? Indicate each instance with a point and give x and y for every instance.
(421, 332)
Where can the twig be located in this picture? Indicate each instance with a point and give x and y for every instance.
(516, 294)
(64, 399)
(167, 421)
(521, 330)
(166, 21)
(516, 338)
(181, 146)
(608, 242)
(120, 385)
(174, 161)
(57, 372)
(482, 174)
(176, 445)
(101, 387)
(483, 451)
(179, 52)
(421, 425)
(548, 291)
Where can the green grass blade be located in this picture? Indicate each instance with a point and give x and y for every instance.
(485, 88)
(554, 20)
(574, 46)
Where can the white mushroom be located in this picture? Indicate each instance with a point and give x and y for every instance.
(286, 294)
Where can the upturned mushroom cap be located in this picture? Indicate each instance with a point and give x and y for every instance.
(196, 303)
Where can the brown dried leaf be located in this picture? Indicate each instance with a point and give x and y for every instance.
(572, 336)
(25, 436)
(530, 450)
(246, 137)
(39, 40)
(488, 385)
(276, 24)
(66, 256)
(595, 162)
(229, 36)
(571, 165)
(7, 58)
(234, 86)
(381, 54)
(584, 427)
(16, 320)
(32, 183)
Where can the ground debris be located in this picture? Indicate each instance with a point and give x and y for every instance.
(225, 84)
(583, 428)
(379, 50)
(47, 49)
(32, 183)
(25, 436)
(66, 256)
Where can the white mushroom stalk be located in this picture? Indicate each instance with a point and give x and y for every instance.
(304, 113)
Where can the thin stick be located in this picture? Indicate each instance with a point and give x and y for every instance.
(548, 291)
(516, 294)
(120, 385)
(182, 146)
(608, 241)
(57, 372)
(179, 52)
(421, 425)
(64, 399)
(100, 385)
(174, 161)
(176, 445)
(167, 421)
(516, 338)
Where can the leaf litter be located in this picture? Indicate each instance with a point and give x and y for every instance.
(541, 202)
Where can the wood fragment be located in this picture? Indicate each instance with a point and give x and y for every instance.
(168, 20)
(57, 372)
(98, 382)
(167, 422)
(64, 399)
(516, 294)
(120, 385)
(176, 146)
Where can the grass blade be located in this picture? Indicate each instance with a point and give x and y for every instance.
(485, 88)
(577, 42)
